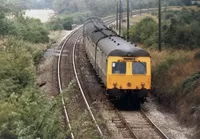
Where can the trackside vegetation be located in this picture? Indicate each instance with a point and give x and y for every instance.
(175, 70)
(182, 25)
(24, 28)
(26, 112)
(66, 20)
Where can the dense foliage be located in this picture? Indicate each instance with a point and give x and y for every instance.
(29, 29)
(24, 110)
(24, 28)
(180, 29)
(12, 22)
(66, 21)
(175, 83)
(144, 32)
(98, 7)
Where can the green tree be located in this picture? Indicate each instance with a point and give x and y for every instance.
(25, 111)
(184, 27)
(186, 2)
(144, 31)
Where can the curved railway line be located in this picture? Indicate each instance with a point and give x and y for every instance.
(71, 74)
(60, 85)
(132, 124)
(82, 92)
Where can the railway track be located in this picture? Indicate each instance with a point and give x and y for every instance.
(83, 93)
(67, 70)
(132, 124)
(60, 84)
(136, 125)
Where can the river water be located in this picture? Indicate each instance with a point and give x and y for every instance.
(43, 14)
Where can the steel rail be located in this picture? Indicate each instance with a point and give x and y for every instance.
(61, 90)
(155, 127)
(83, 95)
(60, 84)
(142, 112)
(127, 125)
(121, 117)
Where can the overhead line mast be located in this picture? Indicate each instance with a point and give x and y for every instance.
(159, 26)
(128, 22)
(120, 16)
(117, 16)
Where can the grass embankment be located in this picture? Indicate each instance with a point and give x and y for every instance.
(176, 82)
(175, 70)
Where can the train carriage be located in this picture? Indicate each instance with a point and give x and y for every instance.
(124, 68)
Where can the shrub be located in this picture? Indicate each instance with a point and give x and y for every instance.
(25, 111)
(144, 31)
(67, 25)
(175, 83)
(5, 27)
(29, 29)
(66, 20)
(18, 72)
(59, 23)
(180, 29)
(197, 55)
(190, 83)
(184, 27)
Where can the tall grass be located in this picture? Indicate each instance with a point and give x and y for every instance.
(176, 82)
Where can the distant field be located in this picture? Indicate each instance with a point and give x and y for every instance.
(43, 15)
(187, 7)
(137, 18)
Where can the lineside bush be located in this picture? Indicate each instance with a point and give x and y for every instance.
(180, 29)
(175, 70)
(25, 28)
(25, 111)
(29, 29)
(59, 23)
(176, 83)
(144, 32)
(66, 20)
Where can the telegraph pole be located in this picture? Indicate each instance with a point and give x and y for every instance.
(140, 7)
(117, 16)
(159, 26)
(128, 10)
(120, 16)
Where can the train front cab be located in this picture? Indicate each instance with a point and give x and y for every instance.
(129, 76)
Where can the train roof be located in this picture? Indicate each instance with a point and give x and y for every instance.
(97, 30)
(116, 46)
(109, 42)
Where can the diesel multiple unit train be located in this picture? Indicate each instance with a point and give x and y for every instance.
(124, 68)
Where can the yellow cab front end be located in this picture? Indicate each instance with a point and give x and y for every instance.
(128, 74)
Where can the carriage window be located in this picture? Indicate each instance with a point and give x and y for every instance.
(139, 68)
(119, 67)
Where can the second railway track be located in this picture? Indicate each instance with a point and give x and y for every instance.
(67, 73)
